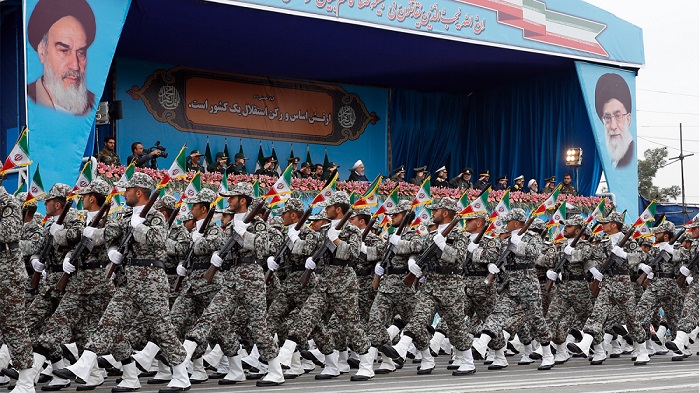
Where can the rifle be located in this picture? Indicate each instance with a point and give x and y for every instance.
(613, 259)
(477, 239)
(391, 249)
(187, 262)
(429, 253)
(326, 246)
(266, 215)
(172, 217)
(663, 255)
(693, 267)
(85, 244)
(46, 251)
(503, 258)
(234, 241)
(564, 260)
(279, 255)
(129, 235)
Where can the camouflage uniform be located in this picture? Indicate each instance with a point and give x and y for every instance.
(393, 296)
(443, 280)
(12, 283)
(47, 299)
(176, 245)
(146, 288)
(480, 298)
(364, 269)
(32, 240)
(689, 315)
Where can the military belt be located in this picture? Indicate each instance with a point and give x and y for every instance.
(297, 268)
(340, 262)
(201, 266)
(574, 277)
(225, 267)
(619, 272)
(238, 261)
(665, 275)
(520, 266)
(395, 270)
(145, 263)
(54, 268)
(478, 273)
(92, 265)
(364, 272)
(9, 246)
(447, 270)
(170, 271)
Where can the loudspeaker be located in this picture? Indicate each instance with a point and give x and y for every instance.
(102, 115)
(115, 110)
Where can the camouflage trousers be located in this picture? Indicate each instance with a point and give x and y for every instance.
(519, 304)
(287, 304)
(662, 293)
(365, 296)
(569, 296)
(615, 290)
(144, 294)
(12, 308)
(479, 302)
(442, 293)
(43, 305)
(241, 296)
(386, 305)
(689, 315)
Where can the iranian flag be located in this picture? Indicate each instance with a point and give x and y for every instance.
(128, 173)
(385, 221)
(177, 170)
(390, 202)
(647, 215)
(549, 203)
(598, 229)
(598, 212)
(19, 156)
(559, 215)
(424, 216)
(556, 234)
(478, 205)
(369, 198)
(36, 189)
(501, 209)
(644, 230)
(85, 177)
(280, 191)
(223, 188)
(327, 191)
(193, 188)
(423, 196)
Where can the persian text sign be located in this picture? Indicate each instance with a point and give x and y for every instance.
(248, 106)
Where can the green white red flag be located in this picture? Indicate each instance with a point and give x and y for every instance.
(282, 189)
(191, 191)
(647, 215)
(558, 215)
(369, 198)
(501, 209)
(326, 192)
(19, 156)
(178, 168)
(36, 188)
(424, 216)
(549, 203)
(478, 205)
(391, 201)
(598, 212)
(84, 178)
(423, 196)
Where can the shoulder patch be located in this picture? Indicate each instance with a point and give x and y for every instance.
(260, 227)
(309, 236)
(6, 212)
(633, 245)
(550, 251)
(491, 243)
(460, 244)
(156, 221)
(213, 232)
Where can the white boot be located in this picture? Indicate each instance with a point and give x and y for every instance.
(615, 349)
(547, 358)
(427, 362)
(479, 346)
(499, 359)
(365, 371)
(393, 330)
(199, 373)
(112, 361)
(402, 347)
(456, 360)
(96, 378)
(527, 350)
(661, 335)
(274, 376)
(490, 355)
(466, 365)
(308, 365)
(607, 342)
(163, 375)
(598, 355)
(235, 373)
(562, 355)
(295, 368)
(536, 350)
(582, 347)
(130, 377)
(214, 356)
(650, 348)
(222, 368)
(56, 381)
(285, 353)
(180, 380)
(25, 382)
(678, 344)
(387, 365)
(145, 357)
(343, 365)
(252, 359)
(642, 355)
(436, 342)
(331, 370)
(4, 356)
(81, 369)
(190, 346)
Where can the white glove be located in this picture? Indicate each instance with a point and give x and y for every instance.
(650, 275)
(516, 239)
(667, 247)
(293, 234)
(644, 267)
(332, 234)
(181, 271)
(89, 232)
(568, 250)
(689, 280)
(137, 220)
(196, 236)
(363, 248)
(596, 274)
(55, 228)
(414, 268)
(310, 264)
(271, 264)
(617, 250)
(115, 256)
(67, 267)
(240, 227)
(552, 275)
(378, 269)
(472, 247)
(394, 239)
(493, 269)
(38, 266)
(216, 259)
(440, 241)
(685, 271)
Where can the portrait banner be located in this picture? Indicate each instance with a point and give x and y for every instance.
(610, 97)
(69, 47)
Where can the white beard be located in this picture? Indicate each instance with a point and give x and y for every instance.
(74, 99)
(618, 148)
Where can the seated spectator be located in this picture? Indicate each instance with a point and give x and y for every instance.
(305, 171)
(441, 178)
(483, 181)
(399, 174)
(193, 161)
(108, 155)
(317, 172)
(357, 172)
(220, 163)
(268, 168)
(420, 175)
(238, 166)
(501, 184)
(549, 185)
(463, 180)
(519, 184)
(533, 186)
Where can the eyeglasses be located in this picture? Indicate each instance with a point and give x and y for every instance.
(607, 119)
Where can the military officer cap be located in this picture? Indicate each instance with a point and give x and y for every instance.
(187, 217)
(538, 225)
(240, 156)
(97, 186)
(666, 226)
(165, 202)
(293, 204)
(466, 171)
(421, 169)
(276, 222)
(242, 188)
(361, 211)
(306, 164)
(516, 214)
(693, 223)
(293, 160)
(485, 173)
(613, 217)
(205, 195)
(339, 197)
(551, 179)
(402, 206)
(441, 169)
(502, 178)
(21, 197)
(476, 215)
(575, 220)
(400, 169)
(444, 203)
(321, 215)
(140, 180)
(521, 177)
(59, 190)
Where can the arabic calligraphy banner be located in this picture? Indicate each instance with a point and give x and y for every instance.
(244, 106)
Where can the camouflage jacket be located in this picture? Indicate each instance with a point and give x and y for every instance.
(678, 258)
(65, 239)
(579, 260)
(478, 261)
(202, 249)
(375, 251)
(32, 239)
(339, 278)
(92, 281)
(259, 242)
(303, 248)
(148, 240)
(452, 256)
(10, 228)
(634, 252)
(176, 246)
(411, 245)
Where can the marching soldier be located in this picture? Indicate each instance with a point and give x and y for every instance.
(177, 243)
(32, 238)
(371, 251)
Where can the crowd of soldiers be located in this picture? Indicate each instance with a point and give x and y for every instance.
(269, 297)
